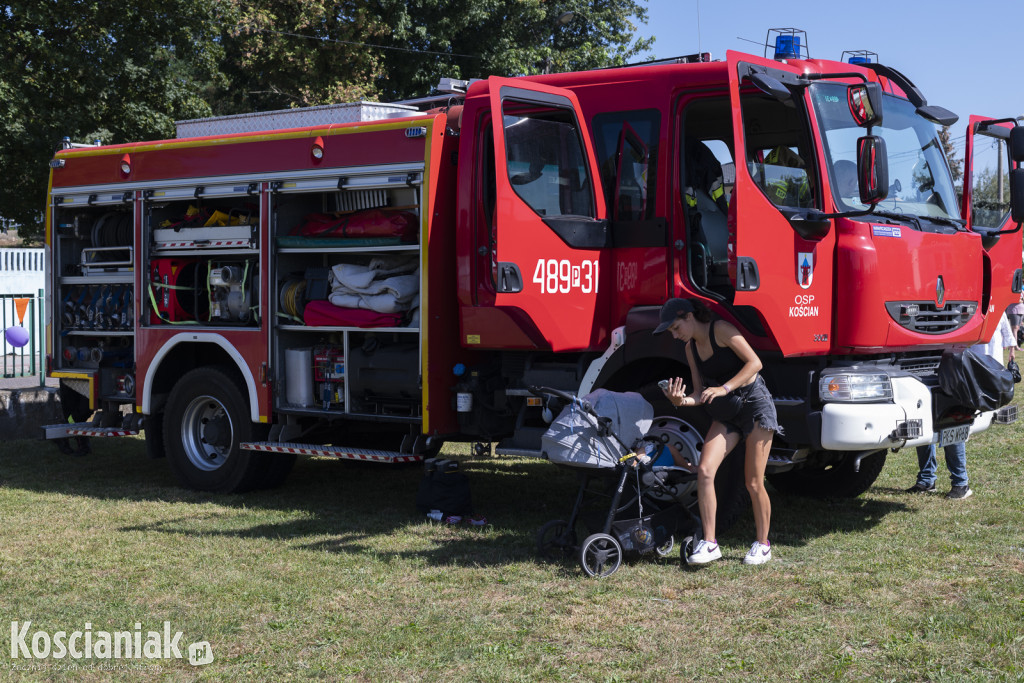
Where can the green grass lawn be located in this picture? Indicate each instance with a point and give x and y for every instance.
(335, 576)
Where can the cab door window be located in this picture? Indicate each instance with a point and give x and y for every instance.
(627, 153)
(547, 167)
(779, 155)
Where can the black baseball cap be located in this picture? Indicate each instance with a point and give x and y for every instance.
(673, 309)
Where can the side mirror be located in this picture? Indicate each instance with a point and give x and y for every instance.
(771, 86)
(1017, 193)
(872, 169)
(865, 100)
(1017, 144)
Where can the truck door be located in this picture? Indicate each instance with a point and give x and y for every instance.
(549, 231)
(780, 265)
(986, 208)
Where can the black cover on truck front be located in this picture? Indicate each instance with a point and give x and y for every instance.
(976, 381)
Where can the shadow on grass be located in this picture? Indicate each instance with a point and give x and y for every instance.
(352, 508)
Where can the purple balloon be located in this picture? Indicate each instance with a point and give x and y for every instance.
(16, 336)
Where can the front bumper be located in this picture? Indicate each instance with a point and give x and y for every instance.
(865, 426)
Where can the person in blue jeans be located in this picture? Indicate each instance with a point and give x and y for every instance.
(956, 461)
(1004, 340)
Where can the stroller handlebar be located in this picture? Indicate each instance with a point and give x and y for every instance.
(563, 395)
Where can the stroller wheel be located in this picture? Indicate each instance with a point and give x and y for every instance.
(666, 548)
(600, 555)
(556, 541)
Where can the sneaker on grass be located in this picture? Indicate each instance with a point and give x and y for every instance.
(921, 488)
(706, 551)
(959, 492)
(758, 554)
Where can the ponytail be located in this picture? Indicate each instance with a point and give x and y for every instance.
(701, 312)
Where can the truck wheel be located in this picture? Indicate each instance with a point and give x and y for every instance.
(837, 480)
(154, 430)
(206, 418)
(276, 469)
(687, 427)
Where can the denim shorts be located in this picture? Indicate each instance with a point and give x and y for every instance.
(758, 410)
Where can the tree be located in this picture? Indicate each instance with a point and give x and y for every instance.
(126, 71)
(115, 71)
(280, 53)
(956, 166)
(479, 38)
(283, 53)
(990, 198)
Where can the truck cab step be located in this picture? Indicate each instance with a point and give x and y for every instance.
(333, 451)
(63, 431)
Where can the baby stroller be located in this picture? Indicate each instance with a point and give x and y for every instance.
(648, 508)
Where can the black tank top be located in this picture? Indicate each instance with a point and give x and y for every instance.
(721, 366)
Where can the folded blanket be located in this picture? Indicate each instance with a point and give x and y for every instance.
(323, 313)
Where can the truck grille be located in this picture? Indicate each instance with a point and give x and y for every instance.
(920, 367)
(925, 317)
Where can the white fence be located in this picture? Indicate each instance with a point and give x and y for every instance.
(22, 274)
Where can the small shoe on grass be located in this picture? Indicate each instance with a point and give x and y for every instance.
(921, 488)
(759, 553)
(706, 551)
(959, 492)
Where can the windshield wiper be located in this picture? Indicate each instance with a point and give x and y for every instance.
(904, 217)
(957, 223)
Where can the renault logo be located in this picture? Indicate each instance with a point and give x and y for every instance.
(940, 293)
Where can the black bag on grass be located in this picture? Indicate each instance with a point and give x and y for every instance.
(444, 488)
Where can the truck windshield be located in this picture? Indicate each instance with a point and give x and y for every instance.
(919, 180)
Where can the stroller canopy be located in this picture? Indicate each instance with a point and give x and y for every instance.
(573, 437)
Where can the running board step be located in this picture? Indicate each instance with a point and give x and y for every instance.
(63, 431)
(333, 451)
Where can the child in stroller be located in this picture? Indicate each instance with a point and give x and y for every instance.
(611, 438)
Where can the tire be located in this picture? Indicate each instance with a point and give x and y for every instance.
(154, 430)
(206, 419)
(730, 490)
(600, 555)
(689, 542)
(666, 548)
(556, 541)
(278, 467)
(837, 480)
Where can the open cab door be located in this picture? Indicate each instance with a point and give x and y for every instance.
(993, 205)
(781, 256)
(549, 233)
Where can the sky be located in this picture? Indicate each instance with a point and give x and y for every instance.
(962, 56)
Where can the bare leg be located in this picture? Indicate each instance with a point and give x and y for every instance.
(759, 443)
(717, 445)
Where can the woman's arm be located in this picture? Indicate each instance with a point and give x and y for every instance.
(676, 392)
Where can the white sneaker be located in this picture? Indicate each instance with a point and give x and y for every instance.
(758, 554)
(704, 552)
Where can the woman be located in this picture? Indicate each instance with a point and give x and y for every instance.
(728, 385)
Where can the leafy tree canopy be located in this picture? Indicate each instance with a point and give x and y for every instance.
(120, 72)
(90, 69)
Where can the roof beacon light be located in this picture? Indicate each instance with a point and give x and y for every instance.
(787, 47)
(790, 43)
(859, 57)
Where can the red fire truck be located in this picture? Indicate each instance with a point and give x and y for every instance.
(380, 280)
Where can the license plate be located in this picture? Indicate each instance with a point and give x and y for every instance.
(952, 435)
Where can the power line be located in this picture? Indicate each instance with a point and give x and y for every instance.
(357, 43)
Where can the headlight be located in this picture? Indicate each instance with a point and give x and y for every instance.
(855, 387)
